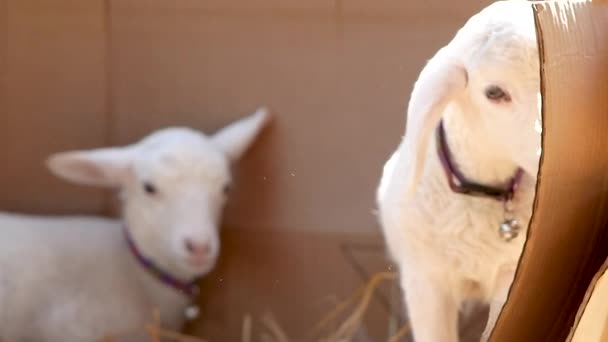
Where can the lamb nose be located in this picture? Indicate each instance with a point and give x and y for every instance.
(199, 249)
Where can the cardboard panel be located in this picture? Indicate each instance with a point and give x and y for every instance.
(52, 95)
(568, 237)
(325, 79)
(232, 7)
(414, 11)
(592, 318)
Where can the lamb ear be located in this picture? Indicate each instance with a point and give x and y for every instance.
(438, 84)
(107, 167)
(236, 138)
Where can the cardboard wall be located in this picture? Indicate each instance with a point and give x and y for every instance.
(591, 323)
(568, 234)
(336, 73)
(299, 231)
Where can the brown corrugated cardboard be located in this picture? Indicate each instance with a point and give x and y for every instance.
(299, 233)
(119, 69)
(591, 323)
(567, 239)
(52, 97)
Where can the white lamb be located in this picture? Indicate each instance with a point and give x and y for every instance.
(82, 278)
(454, 209)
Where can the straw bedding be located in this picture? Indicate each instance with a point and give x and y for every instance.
(348, 314)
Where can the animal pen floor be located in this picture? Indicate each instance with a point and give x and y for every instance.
(303, 280)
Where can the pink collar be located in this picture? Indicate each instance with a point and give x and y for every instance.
(189, 288)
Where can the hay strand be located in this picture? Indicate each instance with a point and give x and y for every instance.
(273, 326)
(247, 326)
(335, 312)
(405, 329)
(153, 330)
(350, 325)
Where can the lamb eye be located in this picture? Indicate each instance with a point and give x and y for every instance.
(149, 188)
(496, 93)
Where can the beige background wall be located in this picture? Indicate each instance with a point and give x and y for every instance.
(337, 75)
(79, 74)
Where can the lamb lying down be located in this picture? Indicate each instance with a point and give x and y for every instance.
(456, 196)
(82, 278)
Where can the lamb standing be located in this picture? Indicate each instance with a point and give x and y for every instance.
(454, 209)
(81, 278)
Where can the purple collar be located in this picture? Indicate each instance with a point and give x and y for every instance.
(459, 183)
(190, 288)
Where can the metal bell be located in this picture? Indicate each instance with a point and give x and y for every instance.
(191, 312)
(509, 229)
